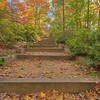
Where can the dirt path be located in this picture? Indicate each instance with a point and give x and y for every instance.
(38, 68)
(43, 68)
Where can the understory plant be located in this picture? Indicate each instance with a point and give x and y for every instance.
(85, 42)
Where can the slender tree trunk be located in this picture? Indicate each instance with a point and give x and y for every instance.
(39, 15)
(76, 20)
(88, 14)
(63, 16)
(39, 19)
(99, 19)
(36, 16)
(80, 20)
(11, 10)
(77, 25)
(80, 24)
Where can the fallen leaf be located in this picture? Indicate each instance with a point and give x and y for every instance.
(22, 68)
(6, 71)
(29, 98)
(93, 98)
(46, 72)
(37, 59)
(42, 94)
(55, 92)
(59, 97)
(14, 98)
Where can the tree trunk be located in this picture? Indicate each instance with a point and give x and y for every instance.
(39, 19)
(63, 17)
(36, 16)
(99, 19)
(88, 14)
(77, 25)
(80, 24)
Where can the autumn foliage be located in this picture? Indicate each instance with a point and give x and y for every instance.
(21, 10)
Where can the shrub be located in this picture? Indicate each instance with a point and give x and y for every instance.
(2, 61)
(30, 33)
(85, 42)
(7, 36)
(61, 37)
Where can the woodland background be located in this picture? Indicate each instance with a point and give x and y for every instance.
(74, 22)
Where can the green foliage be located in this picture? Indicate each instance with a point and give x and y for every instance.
(11, 32)
(61, 37)
(7, 35)
(2, 61)
(56, 26)
(95, 74)
(86, 43)
(30, 33)
(9, 53)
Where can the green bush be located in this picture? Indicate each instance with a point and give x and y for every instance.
(30, 33)
(62, 36)
(2, 61)
(85, 42)
(7, 36)
(11, 32)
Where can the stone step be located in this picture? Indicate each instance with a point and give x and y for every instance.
(42, 56)
(47, 42)
(50, 39)
(41, 49)
(40, 45)
(25, 86)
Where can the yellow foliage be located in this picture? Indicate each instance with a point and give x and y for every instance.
(2, 5)
(42, 94)
(59, 97)
(29, 98)
(14, 98)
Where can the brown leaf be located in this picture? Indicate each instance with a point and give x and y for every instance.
(59, 97)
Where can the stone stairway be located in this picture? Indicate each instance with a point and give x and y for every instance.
(45, 42)
(29, 85)
(46, 48)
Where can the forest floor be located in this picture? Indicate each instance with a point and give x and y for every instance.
(41, 68)
(50, 95)
(47, 68)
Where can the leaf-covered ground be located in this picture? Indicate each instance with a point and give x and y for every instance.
(39, 68)
(51, 95)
